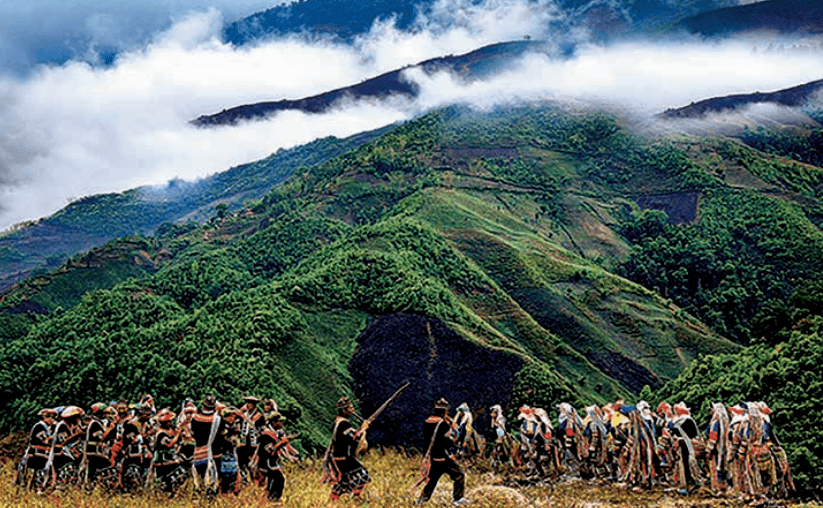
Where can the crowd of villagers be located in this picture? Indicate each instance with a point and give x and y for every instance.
(736, 454)
(128, 447)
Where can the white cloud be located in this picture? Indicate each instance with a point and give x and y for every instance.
(456, 27)
(646, 77)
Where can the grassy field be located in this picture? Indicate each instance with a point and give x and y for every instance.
(393, 476)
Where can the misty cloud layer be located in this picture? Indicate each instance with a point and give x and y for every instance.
(77, 130)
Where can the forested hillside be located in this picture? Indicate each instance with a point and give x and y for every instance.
(559, 252)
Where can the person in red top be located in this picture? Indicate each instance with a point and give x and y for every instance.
(252, 424)
(274, 444)
(167, 463)
(439, 441)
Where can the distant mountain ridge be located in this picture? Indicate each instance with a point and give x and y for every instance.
(478, 64)
(791, 97)
(778, 16)
(343, 20)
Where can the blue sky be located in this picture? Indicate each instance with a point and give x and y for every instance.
(33, 31)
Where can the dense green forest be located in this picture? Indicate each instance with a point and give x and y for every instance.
(544, 234)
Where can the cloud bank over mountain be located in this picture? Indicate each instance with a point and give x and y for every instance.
(74, 130)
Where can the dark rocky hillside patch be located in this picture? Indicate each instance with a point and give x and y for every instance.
(439, 363)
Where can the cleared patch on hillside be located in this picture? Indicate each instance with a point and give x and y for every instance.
(680, 207)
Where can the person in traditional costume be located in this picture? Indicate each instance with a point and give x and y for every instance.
(665, 441)
(596, 433)
(619, 433)
(500, 451)
(168, 467)
(440, 460)
(185, 441)
(570, 428)
(204, 427)
(36, 456)
(225, 449)
(689, 448)
(762, 440)
(469, 443)
(341, 467)
(639, 450)
(783, 475)
(252, 424)
(738, 454)
(133, 448)
(67, 445)
(100, 436)
(274, 444)
(526, 455)
(718, 448)
(647, 417)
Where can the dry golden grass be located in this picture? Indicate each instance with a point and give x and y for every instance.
(393, 475)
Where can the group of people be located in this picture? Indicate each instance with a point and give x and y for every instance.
(131, 446)
(127, 447)
(738, 452)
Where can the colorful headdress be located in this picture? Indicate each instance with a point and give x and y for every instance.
(165, 415)
(47, 412)
(209, 403)
(72, 411)
(98, 408)
(680, 409)
(441, 404)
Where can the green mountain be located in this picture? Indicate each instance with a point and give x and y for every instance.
(528, 254)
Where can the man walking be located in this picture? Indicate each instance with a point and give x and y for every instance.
(438, 438)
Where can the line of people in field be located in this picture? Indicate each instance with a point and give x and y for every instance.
(126, 447)
(738, 452)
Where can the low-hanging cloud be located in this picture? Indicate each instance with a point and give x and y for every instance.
(76, 130)
(645, 77)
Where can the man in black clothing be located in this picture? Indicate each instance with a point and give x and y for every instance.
(100, 434)
(37, 453)
(272, 440)
(225, 448)
(341, 466)
(439, 439)
(204, 427)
